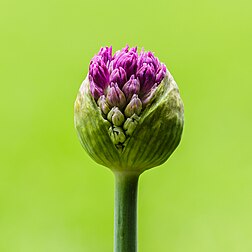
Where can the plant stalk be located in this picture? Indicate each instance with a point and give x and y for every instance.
(125, 215)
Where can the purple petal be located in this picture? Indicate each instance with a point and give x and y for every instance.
(120, 52)
(106, 54)
(127, 59)
(132, 86)
(147, 77)
(99, 72)
(148, 58)
(160, 73)
(95, 90)
(149, 96)
(118, 76)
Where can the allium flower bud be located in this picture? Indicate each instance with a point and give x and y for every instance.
(115, 97)
(98, 76)
(94, 89)
(149, 97)
(130, 124)
(160, 73)
(149, 59)
(117, 136)
(134, 106)
(106, 54)
(116, 116)
(132, 86)
(118, 76)
(147, 76)
(102, 103)
(128, 113)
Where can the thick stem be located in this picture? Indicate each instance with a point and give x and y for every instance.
(125, 226)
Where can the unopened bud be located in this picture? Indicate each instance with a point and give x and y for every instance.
(134, 106)
(115, 97)
(146, 75)
(102, 103)
(130, 124)
(116, 116)
(132, 86)
(117, 135)
(118, 76)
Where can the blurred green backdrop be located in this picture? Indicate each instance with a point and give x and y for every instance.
(53, 197)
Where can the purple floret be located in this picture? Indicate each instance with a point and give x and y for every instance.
(119, 76)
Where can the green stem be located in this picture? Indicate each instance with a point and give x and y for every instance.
(125, 236)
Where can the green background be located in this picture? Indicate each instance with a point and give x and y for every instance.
(53, 197)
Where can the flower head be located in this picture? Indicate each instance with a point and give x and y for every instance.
(128, 113)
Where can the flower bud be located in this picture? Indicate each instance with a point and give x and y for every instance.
(115, 97)
(95, 90)
(147, 76)
(98, 76)
(106, 54)
(149, 59)
(102, 103)
(134, 106)
(116, 116)
(130, 126)
(149, 97)
(132, 86)
(127, 59)
(160, 73)
(118, 76)
(117, 135)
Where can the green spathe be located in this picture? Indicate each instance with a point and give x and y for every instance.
(157, 133)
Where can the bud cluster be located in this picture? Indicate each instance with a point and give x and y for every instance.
(122, 86)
